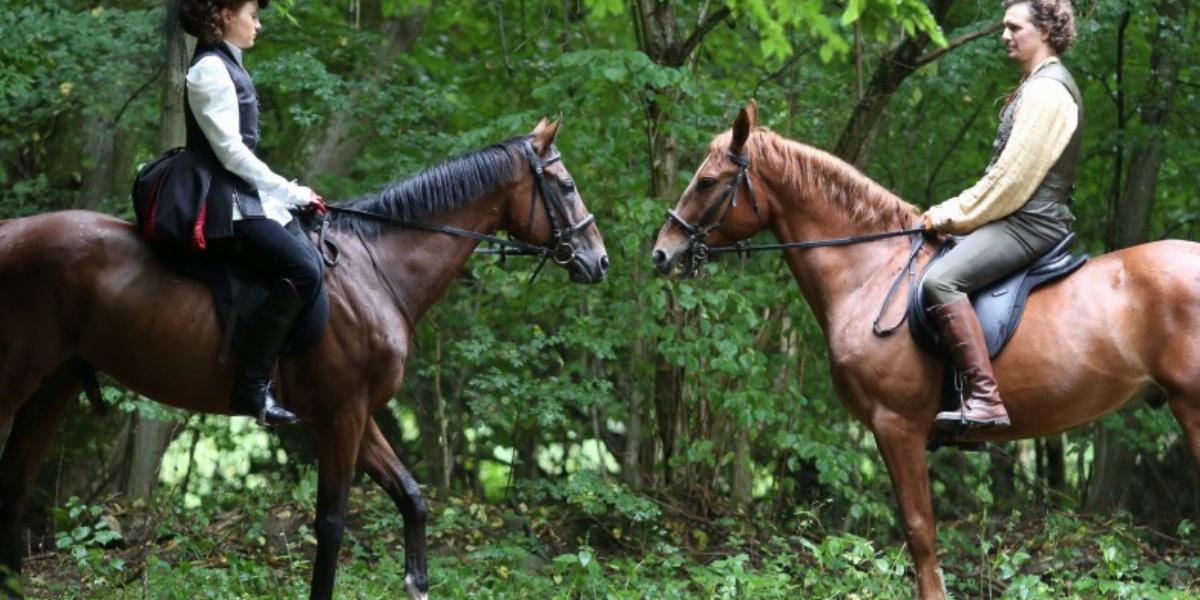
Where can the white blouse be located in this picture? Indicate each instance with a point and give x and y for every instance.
(214, 103)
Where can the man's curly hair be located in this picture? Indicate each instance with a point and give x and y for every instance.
(202, 18)
(1052, 17)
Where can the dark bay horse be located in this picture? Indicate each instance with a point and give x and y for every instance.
(81, 286)
(1087, 344)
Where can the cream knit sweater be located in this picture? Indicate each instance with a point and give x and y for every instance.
(1045, 119)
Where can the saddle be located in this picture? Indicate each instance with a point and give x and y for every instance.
(999, 308)
(238, 293)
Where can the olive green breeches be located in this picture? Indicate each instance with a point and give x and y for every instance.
(989, 253)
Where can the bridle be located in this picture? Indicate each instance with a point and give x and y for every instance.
(699, 251)
(698, 232)
(561, 249)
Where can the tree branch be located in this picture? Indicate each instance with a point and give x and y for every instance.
(956, 42)
(697, 36)
(779, 72)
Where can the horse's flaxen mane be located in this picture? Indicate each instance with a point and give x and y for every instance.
(445, 186)
(817, 174)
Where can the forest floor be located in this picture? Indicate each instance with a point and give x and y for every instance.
(615, 547)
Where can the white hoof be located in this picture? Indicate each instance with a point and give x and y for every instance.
(413, 592)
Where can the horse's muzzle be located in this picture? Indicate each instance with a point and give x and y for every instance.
(587, 267)
(672, 261)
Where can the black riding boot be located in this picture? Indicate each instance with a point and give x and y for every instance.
(266, 335)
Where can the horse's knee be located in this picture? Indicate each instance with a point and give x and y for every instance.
(329, 528)
(920, 536)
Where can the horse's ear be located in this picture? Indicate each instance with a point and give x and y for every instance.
(745, 122)
(544, 134)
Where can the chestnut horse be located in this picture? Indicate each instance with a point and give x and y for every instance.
(1087, 344)
(80, 286)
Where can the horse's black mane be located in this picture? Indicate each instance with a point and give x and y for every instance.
(445, 186)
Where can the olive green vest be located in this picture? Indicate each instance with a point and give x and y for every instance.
(1053, 194)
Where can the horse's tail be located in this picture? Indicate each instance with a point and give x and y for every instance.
(91, 387)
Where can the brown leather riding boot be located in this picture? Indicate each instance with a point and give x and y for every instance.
(981, 406)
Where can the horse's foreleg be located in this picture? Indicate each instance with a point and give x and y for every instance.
(338, 438)
(902, 445)
(379, 460)
(32, 433)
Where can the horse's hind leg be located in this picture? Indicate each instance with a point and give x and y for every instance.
(379, 460)
(32, 433)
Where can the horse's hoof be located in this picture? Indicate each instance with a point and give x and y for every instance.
(413, 592)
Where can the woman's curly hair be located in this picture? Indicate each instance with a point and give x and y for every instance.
(1052, 17)
(202, 18)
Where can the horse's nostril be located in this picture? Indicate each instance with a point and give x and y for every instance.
(659, 257)
(604, 263)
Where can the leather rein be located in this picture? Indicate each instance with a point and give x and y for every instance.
(699, 251)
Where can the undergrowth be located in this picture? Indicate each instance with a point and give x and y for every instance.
(587, 538)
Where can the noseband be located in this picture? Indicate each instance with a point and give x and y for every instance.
(698, 232)
(562, 250)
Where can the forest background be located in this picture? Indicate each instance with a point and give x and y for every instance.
(643, 437)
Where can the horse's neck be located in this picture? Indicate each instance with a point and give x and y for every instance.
(419, 266)
(838, 280)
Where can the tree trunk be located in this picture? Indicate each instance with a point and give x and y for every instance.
(658, 36)
(430, 399)
(150, 437)
(333, 152)
(1003, 471)
(171, 131)
(667, 398)
(1056, 464)
(1112, 467)
(742, 478)
(633, 471)
(109, 153)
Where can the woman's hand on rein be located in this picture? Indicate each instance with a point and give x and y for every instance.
(316, 203)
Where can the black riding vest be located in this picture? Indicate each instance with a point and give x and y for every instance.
(1053, 194)
(227, 188)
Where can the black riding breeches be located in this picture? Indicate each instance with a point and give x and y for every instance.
(269, 251)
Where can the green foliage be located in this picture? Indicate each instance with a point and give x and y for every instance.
(262, 549)
(84, 532)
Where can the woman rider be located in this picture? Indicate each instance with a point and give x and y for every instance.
(1018, 210)
(246, 201)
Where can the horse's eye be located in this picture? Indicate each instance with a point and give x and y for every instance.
(568, 185)
(707, 182)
